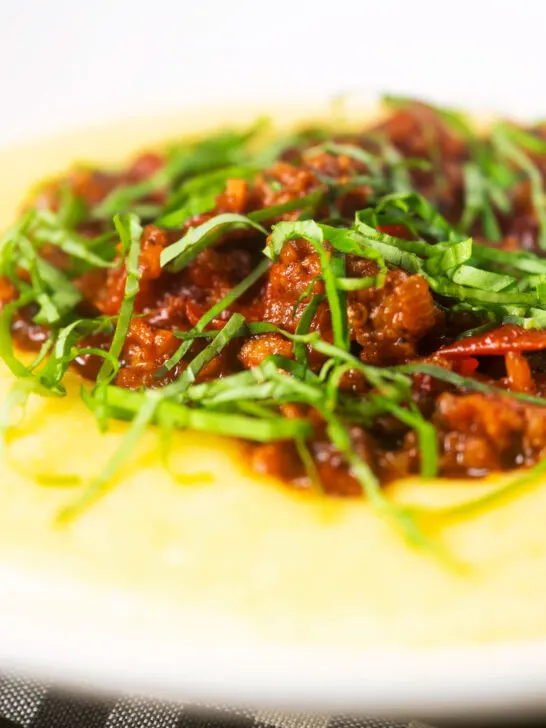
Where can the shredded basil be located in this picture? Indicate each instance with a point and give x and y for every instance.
(493, 284)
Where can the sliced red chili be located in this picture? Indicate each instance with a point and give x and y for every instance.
(520, 377)
(497, 342)
(467, 366)
(396, 230)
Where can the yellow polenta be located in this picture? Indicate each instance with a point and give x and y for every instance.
(279, 565)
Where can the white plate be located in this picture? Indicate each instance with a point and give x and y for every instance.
(109, 641)
(105, 642)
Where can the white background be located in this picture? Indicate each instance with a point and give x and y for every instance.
(64, 62)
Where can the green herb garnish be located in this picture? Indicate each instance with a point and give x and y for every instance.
(398, 227)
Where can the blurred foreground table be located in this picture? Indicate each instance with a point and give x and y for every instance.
(28, 704)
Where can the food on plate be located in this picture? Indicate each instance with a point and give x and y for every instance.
(348, 307)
